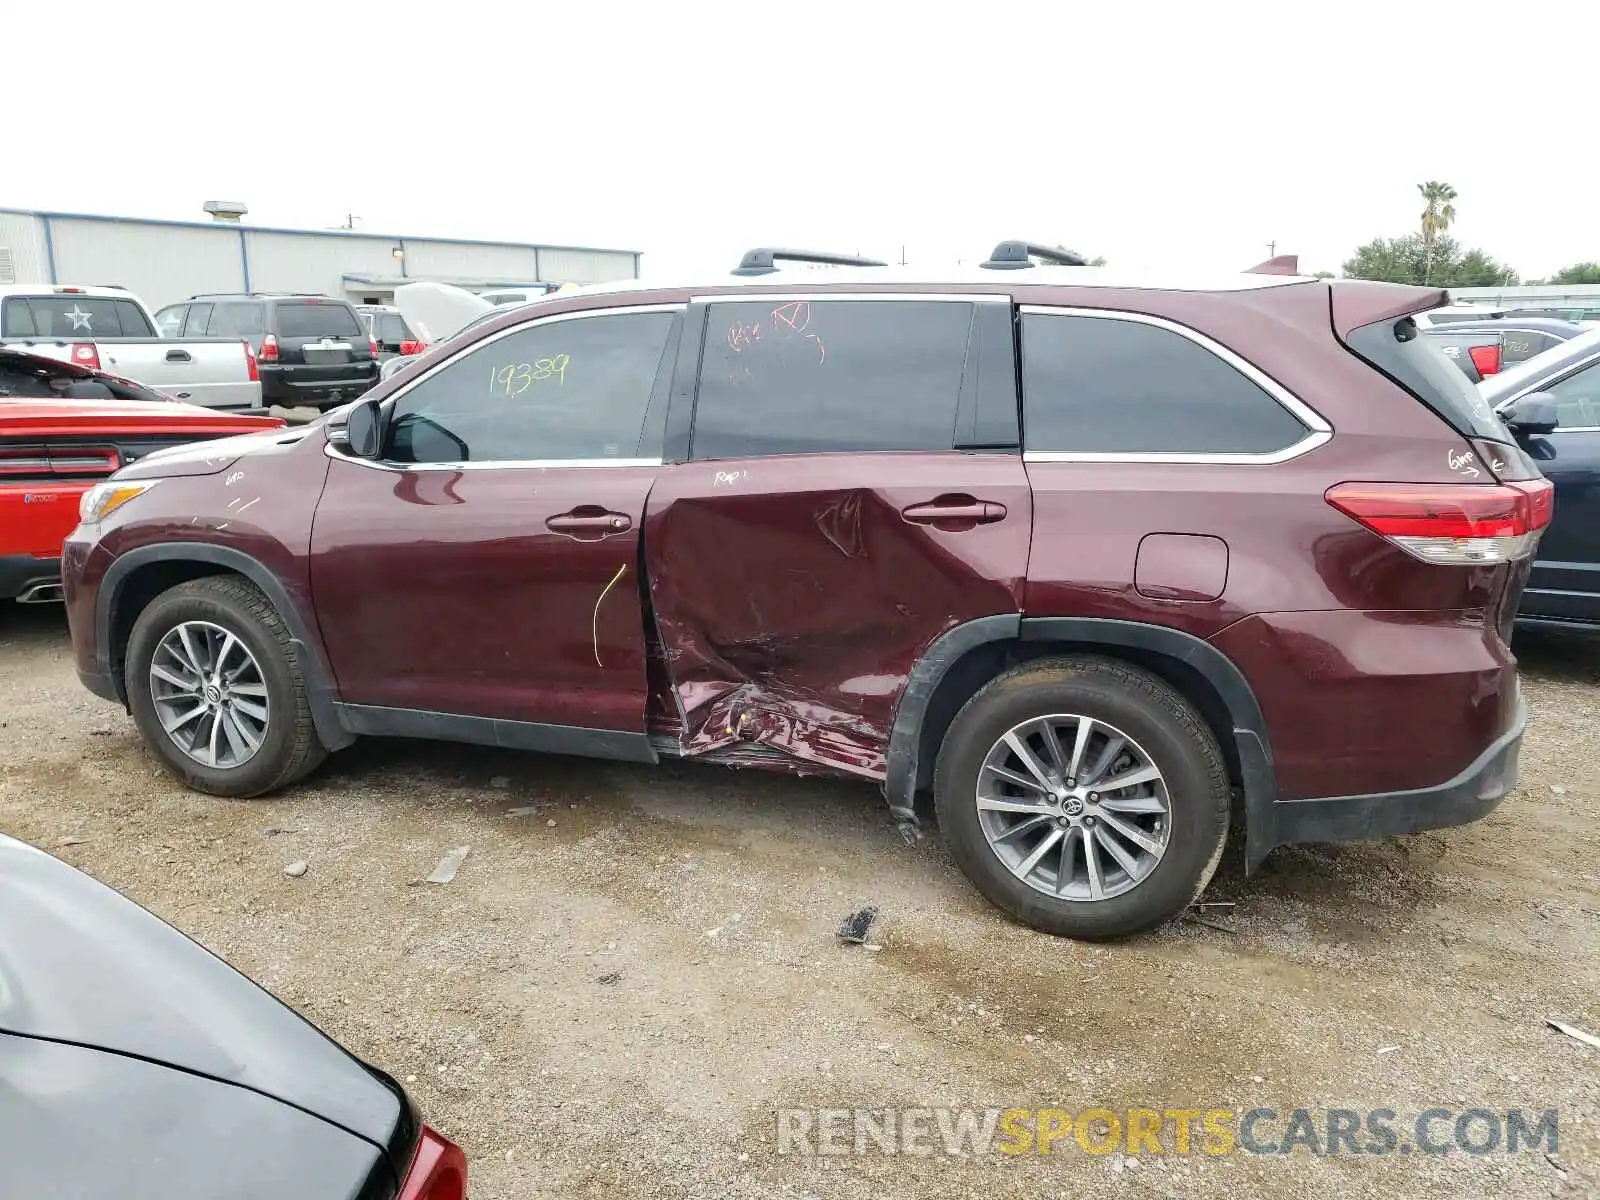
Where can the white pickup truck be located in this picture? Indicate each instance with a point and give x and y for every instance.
(110, 329)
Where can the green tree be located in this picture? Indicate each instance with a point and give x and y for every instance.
(1584, 272)
(1437, 214)
(1441, 262)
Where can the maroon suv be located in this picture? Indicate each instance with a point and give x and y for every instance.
(1087, 556)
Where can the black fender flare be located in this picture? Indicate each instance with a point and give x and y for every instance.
(1249, 726)
(319, 676)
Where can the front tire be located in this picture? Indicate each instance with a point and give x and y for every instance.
(217, 691)
(1083, 796)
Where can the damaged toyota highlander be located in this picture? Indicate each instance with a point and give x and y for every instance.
(1091, 558)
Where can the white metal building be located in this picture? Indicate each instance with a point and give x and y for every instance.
(1533, 295)
(165, 261)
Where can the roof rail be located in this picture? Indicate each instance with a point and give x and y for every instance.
(1013, 256)
(763, 260)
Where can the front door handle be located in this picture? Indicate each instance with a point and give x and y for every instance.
(179, 356)
(589, 521)
(955, 510)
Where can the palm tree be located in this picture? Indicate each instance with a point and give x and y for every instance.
(1436, 217)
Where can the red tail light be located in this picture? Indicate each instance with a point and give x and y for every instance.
(411, 346)
(1451, 524)
(269, 348)
(1485, 358)
(372, 346)
(85, 354)
(438, 1170)
(250, 363)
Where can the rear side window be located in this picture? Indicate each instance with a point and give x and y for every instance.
(73, 316)
(1417, 364)
(812, 377)
(299, 320)
(236, 318)
(1105, 385)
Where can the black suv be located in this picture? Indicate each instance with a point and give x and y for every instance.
(310, 350)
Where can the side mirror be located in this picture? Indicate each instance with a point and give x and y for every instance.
(363, 427)
(1533, 413)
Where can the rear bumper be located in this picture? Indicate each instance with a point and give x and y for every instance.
(20, 573)
(1470, 796)
(295, 385)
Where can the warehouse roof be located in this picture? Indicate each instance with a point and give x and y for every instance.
(348, 233)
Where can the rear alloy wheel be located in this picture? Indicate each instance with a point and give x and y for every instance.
(214, 680)
(1083, 796)
(1073, 807)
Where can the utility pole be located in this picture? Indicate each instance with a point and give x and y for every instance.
(902, 256)
(1272, 249)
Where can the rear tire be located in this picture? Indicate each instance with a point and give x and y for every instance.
(213, 660)
(1154, 843)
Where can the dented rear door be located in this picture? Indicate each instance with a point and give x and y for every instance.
(851, 488)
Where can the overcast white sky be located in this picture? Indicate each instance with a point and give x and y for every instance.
(1184, 133)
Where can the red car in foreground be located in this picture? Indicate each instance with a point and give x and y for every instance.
(1084, 554)
(63, 429)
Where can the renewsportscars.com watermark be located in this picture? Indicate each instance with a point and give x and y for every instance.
(1181, 1131)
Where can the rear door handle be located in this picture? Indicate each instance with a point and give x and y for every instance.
(176, 355)
(954, 509)
(589, 521)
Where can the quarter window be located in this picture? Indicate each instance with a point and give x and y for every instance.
(572, 389)
(800, 376)
(1102, 385)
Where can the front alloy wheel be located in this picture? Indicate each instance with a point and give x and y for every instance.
(209, 694)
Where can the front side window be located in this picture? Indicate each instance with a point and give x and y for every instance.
(824, 376)
(195, 324)
(567, 389)
(1577, 399)
(1100, 385)
(170, 320)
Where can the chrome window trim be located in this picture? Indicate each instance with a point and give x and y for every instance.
(816, 297)
(494, 464)
(388, 402)
(1318, 431)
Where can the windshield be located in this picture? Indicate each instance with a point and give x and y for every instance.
(73, 316)
(309, 319)
(1418, 364)
(34, 377)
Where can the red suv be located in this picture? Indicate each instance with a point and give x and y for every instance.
(1087, 555)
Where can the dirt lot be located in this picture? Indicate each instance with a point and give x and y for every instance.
(617, 991)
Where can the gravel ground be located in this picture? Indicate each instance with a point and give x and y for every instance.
(618, 989)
